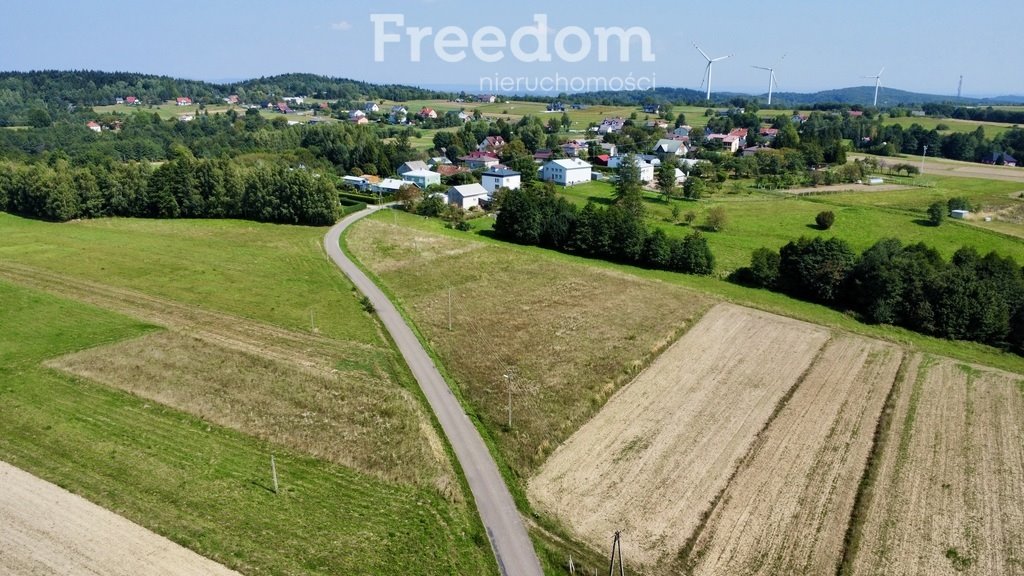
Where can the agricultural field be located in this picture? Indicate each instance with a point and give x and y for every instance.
(153, 366)
(787, 509)
(654, 459)
(169, 110)
(948, 494)
(91, 540)
(992, 129)
(566, 334)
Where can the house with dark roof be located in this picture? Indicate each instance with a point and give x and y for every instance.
(1000, 158)
(495, 178)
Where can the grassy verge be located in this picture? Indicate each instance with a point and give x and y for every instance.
(204, 486)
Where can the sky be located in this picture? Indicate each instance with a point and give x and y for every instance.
(924, 46)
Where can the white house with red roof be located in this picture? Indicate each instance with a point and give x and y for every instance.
(94, 126)
(427, 113)
(183, 101)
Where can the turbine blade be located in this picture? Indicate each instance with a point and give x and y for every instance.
(722, 58)
(706, 57)
(760, 67)
(880, 71)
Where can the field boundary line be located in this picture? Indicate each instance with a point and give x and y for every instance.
(865, 488)
(689, 562)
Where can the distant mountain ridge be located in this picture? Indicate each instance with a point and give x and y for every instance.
(60, 93)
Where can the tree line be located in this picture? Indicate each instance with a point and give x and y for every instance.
(969, 297)
(184, 187)
(537, 216)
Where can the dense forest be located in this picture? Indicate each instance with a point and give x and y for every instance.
(969, 297)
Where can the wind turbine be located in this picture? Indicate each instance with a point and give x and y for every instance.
(707, 70)
(771, 77)
(878, 84)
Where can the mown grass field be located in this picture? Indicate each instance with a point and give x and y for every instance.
(199, 484)
(992, 129)
(273, 273)
(771, 220)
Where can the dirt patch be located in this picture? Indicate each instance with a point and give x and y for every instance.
(949, 497)
(657, 455)
(45, 529)
(787, 509)
(842, 188)
(347, 417)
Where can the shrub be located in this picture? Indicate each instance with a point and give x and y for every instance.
(825, 219)
(936, 212)
(958, 203)
(716, 219)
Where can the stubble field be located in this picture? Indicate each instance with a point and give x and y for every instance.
(949, 495)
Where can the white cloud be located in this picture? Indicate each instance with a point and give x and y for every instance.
(341, 25)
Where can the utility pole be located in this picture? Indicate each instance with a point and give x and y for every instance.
(508, 380)
(616, 545)
(449, 308)
(273, 472)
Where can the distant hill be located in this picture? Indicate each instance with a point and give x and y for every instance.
(62, 94)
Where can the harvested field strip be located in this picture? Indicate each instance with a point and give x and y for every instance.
(949, 497)
(304, 349)
(787, 508)
(349, 417)
(655, 457)
(89, 540)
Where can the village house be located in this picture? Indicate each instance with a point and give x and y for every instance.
(427, 113)
(183, 101)
(646, 168)
(567, 172)
(131, 100)
(118, 100)
(467, 196)
(412, 165)
(491, 144)
(670, 146)
(500, 178)
(389, 186)
(94, 126)
(371, 107)
(422, 178)
(478, 159)
(609, 125)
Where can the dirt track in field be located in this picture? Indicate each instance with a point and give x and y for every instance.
(787, 510)
(949, 498)
(45, 529)
(657, 455)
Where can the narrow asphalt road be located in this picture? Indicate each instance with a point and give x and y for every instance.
(501, 519)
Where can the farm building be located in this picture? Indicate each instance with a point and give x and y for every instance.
(959, 214)
(467, 196)
(501, 178)
(567, 172)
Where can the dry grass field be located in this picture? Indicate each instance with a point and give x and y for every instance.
(45, 529)
(311, 393)
(787, 510)
(335, 415)
(949, 494)
(568, 335)
(652, 462)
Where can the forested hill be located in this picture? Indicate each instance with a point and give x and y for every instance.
(61, 92)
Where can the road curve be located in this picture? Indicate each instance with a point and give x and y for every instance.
(505, 529)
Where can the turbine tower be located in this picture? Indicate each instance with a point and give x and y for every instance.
(960, 87)
(771, 77)
(878, 84)
(707, 70)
